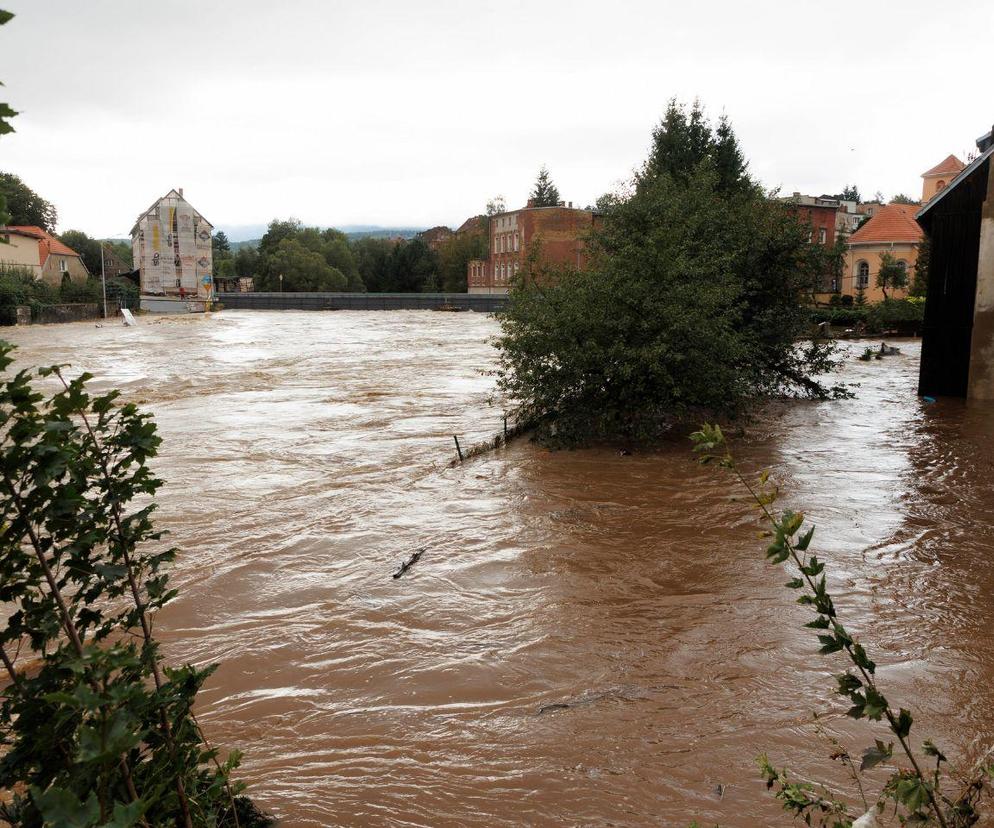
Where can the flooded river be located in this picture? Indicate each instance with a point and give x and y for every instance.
(590, 638)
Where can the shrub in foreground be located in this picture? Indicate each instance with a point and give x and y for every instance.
(95, 729)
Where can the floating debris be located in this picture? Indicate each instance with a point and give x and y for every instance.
(410, 561)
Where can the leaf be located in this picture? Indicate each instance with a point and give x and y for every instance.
(791, 522)
(876, 704)
(805, 540)
(931, 750)
(848, 683)
(794, 583)
(61, 809)
(830, 644)
(873, 756)
(903, 725)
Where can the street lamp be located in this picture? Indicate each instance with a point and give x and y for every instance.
(103, 278)
(281, 283)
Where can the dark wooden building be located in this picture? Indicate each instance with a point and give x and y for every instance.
(957, 326)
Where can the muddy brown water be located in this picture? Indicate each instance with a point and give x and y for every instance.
(590, 638)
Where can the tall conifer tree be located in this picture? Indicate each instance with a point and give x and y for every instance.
(545, 193)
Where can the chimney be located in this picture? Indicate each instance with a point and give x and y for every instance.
(571, 205)
(181, 192)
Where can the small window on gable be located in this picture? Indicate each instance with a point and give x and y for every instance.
(939, 185)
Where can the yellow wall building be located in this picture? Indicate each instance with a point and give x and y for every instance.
(40, 252)
(938, 178)
(892, 229)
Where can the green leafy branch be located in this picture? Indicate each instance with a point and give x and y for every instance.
(914, 789)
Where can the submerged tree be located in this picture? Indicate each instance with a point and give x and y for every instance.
(692, 300)
(545, 193)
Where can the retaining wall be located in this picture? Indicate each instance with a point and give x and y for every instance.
(481, 303)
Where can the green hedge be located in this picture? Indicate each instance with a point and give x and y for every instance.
(901, 315)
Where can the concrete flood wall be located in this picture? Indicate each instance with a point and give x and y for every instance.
(52, 314)
(482, 303)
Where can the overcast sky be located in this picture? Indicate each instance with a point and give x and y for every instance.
(401, 112)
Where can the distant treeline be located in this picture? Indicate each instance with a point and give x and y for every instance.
(310, 259)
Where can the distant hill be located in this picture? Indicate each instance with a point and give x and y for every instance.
(240, 236)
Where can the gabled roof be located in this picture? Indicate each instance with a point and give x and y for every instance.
(951, 165)
(959, 179)
(48, 245)
(171, 194)
(890, 223)
(52, 244)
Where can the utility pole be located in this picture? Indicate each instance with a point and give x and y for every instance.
(103, 278)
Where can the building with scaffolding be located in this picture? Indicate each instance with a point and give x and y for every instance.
(171, 246)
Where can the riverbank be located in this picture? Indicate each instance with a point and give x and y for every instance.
(589, 637)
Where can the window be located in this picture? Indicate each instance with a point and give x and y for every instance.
(515, 242)
(822, 235)
(903, 265)
(862, 274)
(939, 185)
(495, 271)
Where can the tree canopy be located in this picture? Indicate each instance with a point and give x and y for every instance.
(88, 249)
(892, 275)
(692, 301)
(24, 205)
(6, 113)
(545, 193)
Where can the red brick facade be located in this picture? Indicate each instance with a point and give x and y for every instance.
(557, 233)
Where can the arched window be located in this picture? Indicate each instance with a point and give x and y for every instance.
(939, 185)
(863, 274)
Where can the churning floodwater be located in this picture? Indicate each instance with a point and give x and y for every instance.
(590, 638)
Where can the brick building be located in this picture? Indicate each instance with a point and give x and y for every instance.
(435, 237)
(557, 234)
(821, 214)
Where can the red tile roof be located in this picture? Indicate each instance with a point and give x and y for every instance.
(949, 166)
(890, 223)
(48, 245)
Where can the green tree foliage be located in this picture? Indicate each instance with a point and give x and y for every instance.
(693, 300)
(850, 193)
(309, 259)
(247, 261)
(919, 284)
(221, 253)
(25, 206)
(892, 275)
(545, 193)
(88, 249)
(97, 730)
(495, 206)
(6, 113)
(371, 257)
(901, 198)
(455, 255)
(301, 269)
(390, 266)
